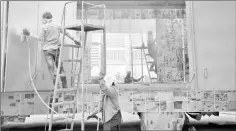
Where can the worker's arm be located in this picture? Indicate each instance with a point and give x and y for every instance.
(111, 92)
(137, 80)
(69, 36)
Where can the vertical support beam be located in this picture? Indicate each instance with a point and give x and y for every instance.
(104, 42)
(142, 53)
(235, 50)
(104, 52)
(191, 42)
(4, 42)
(183, 49)
(131, 49)
(142, 63)
(82, 71)
(156, 21)
(2, 45)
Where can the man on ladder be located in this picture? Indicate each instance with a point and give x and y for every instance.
(152, 50)
(50, 39)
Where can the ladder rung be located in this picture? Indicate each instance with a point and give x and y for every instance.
(58, 118)
(71, 60)
(64, 103)
(65, 130)
(67, 89)
(140, 47)
(149, 61)
(153, 78)
(147, 54)
(87, 27)
(152, 70)
(69, 45)
(69, 74)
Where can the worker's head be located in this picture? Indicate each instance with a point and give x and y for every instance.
(128, 73)
(46, 17)
(110, 80)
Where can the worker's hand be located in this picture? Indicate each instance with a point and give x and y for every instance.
(101, 82)
(26, 32)
(77, 42)
(92, 116)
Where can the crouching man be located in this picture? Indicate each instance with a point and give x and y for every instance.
(109, 106)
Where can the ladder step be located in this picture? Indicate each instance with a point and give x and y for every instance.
(152, 70)
(153, 78)
(71, 60)
(64, 103)
(67, 89)
(65, 130)
(69, 45)
(140, 47)
(87, 27)
(69, 74)
(58, 118)
(149, 61)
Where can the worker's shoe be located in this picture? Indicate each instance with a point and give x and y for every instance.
(64, 86)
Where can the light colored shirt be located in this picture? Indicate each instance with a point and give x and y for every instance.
(110, 104)
(50, 36)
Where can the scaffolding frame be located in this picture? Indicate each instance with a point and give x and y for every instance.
(83, 28)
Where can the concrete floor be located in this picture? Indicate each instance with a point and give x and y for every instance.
(225, 121)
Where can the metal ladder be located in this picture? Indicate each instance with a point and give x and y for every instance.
(72, 89)
(148, 61)
(84, 28)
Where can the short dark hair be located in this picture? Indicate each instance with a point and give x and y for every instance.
(47, 15)
(149, 32)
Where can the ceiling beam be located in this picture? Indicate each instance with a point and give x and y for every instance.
(157, 4)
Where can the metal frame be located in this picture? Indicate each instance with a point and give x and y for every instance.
(4, 42)
(83, 44)
(81, 76)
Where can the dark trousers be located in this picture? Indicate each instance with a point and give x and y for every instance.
(114, 123)
(154, 63)
(52, 57)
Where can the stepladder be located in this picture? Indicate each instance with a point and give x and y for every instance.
(72, 92)
(82, 73)
(150, 63)
(66, 97)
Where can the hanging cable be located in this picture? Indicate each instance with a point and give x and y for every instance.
(35, 90)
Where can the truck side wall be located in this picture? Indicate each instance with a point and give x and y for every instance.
(27, 14)
(212, 38)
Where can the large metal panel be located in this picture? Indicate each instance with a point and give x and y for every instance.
(214, 32)
(21, 15)
(27, 14)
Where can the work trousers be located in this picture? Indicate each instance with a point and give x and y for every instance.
(52, 58)
(114, 123)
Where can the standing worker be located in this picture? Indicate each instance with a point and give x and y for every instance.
(152, 50)
(111, 114)
(130, 79)
(50, 39)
